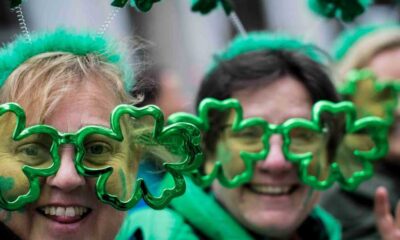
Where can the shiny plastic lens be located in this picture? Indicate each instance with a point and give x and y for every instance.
(32, 151)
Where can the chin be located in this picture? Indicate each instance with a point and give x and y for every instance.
(276, 224)
(275, 215)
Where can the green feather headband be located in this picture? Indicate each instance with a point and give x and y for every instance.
(61, 40)
(258, 41)
(349, 38)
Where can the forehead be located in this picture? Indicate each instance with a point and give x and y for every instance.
(385, 64)
(89, 105)
(276, 101)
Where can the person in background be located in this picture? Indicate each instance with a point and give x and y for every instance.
(377, 48)
(160, 86)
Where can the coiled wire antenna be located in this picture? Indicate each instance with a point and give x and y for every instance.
(237, 23)
(108, 21)
(21, 22)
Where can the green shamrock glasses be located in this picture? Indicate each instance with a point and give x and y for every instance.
(111, 155)
(331, 146)
(371, 96)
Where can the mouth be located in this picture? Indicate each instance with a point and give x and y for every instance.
(64, 214)
(272, 190)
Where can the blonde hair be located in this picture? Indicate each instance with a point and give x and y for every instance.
(41, 82)
(367, 48)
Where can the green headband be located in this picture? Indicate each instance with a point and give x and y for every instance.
(258, 41)
(349, 38)
(62, 40)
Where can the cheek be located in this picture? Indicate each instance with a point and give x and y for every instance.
(221, 193)
(232, 163)
(394, 140)
(311, 199)
(232, 199)
(108, 223)
(394, 143)
(19, 222)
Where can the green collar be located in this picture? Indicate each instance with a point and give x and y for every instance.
(199, 215)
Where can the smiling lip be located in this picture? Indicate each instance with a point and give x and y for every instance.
(272, 190)
(64, 214)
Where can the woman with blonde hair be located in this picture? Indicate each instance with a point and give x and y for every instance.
(72, 141)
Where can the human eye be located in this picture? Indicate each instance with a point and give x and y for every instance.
(303, 136)
(250, 134)
(31, 150)
(98, 148)
(33, 153)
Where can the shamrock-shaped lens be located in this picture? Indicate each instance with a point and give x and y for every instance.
(123, 156)
(235, 143)
(25, 155)
(370, 96)
(304, 140)
(33, 151)
(352, 144)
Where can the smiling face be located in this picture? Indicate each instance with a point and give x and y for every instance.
(274, 203)
(68, 207)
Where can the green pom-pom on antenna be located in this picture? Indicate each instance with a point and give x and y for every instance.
(15, 3)
(140, 5)
(346, 10)
(206, 6)
(143, 5)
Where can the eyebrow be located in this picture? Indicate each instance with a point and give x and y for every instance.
(298, 114)
(82, 125)
(93, 120)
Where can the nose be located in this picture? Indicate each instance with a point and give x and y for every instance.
(275, 163)
(67, 178)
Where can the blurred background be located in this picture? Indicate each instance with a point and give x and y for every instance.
(179, 42)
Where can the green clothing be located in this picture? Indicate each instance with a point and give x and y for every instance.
(354, 210)
(197, 215)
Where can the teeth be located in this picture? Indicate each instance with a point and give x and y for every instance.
(70, 212)
(60, 211)
(64, 211)
(52, 211)
(272, 190)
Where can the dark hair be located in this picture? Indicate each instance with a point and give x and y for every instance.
(147, 86)
(253, 69)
